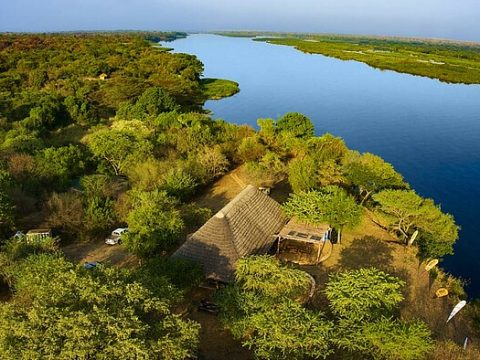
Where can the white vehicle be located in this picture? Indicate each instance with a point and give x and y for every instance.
(116, 236)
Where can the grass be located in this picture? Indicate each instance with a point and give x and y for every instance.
(447, 61)
(215, 89)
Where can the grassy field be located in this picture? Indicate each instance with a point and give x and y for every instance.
(448, 61)
(215, 89)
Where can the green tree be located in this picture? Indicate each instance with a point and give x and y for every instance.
(177, 182)
(289, 331)
(214, 161)
(60, 164)
(297, 124)
(372, 174)
(262, 308)
(65, 211)
(404, 212)
(99, 215)
(331, 205)
(152, 102)
(327, 147)
(267, 131)
(6, 211)
(250, 149)
(21, 140)
(119, 148)
(79, 110)
(302, 174)
(154, 223)
(46, 114)
(66, 312)
(364, 294)
(397, 340)
(384, 339)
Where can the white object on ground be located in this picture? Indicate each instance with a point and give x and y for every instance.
(456, 309)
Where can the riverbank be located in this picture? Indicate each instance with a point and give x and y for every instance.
(447, 61)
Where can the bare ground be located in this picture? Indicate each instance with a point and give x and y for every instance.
(82, 252)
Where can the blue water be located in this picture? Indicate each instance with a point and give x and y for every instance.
(429, 130)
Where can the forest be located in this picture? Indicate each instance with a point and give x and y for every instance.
(447, 61)
(104, 130)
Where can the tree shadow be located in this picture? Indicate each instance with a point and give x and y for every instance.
(366, 252)
(213, 201)
(214, 262)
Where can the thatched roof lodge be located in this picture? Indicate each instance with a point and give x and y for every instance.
(245, 226)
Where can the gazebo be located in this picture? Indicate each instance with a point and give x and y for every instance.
(304, 243)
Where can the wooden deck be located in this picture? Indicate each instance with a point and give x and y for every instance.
(304, 253)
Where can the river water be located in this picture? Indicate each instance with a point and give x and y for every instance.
(429, 130)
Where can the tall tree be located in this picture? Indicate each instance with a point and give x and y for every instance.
(296, 124)
(302, 174)
(262, 309)
(372, 174)
(154, 223)
(118, 147)
(363, 294)
(404, 212)
(331, 205)
(365, 302)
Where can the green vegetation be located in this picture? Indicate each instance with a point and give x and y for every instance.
(63, 311)
(215, 89)
(405, 212)
(263, 308)
(86, 153)
(331, 205)
(453, 63)
(364, 302)
(448, 61)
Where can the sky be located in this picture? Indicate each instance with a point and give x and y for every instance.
(448, 19)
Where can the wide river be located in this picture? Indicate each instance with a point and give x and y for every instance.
(429, 130)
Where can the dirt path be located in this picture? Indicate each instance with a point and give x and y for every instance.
(222, 191)
(99, 251)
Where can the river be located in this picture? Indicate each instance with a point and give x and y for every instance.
(429, 130)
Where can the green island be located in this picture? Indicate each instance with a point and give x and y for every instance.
(216, 89)
(447, 61)
(120, 195)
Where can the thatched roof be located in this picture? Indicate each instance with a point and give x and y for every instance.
(245, 226)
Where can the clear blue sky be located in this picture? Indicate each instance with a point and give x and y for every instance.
(455, 19)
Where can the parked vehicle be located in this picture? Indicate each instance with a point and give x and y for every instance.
(116, 236)
(37, 235)
(91, 265)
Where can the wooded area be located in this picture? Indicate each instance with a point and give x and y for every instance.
(99, 131)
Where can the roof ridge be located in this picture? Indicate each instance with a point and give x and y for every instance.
(227, 208)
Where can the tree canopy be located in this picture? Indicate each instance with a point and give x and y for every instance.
(298, 125)
(262, 309)
(362, 294)
(154, 222)
(331, 204)
(62, 311)
(404, 212)
(372, 174)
